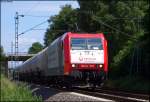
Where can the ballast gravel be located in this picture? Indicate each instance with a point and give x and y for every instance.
(67, 96)
(51, 94)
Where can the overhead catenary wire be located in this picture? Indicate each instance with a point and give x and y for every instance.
(37, 16)
(39, 29)
(101, 22)
(121, 32)
(114, 18)
(33, 27)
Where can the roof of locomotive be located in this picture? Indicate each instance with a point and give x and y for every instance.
(89, 35)
(73, 33)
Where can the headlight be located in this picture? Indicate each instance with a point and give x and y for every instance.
(100, 65)
(73, 65)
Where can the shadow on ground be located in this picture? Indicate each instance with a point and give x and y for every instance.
(43, 91)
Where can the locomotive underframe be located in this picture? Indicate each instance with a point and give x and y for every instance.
(84, 78)
(88, 78)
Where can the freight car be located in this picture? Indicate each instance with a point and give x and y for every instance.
(71, 60)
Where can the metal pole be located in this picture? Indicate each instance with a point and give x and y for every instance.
(16, 36)
(11, 54)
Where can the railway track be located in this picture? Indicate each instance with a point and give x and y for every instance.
(114, 95)
(107, 94)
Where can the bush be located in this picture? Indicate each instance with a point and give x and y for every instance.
(133, 83)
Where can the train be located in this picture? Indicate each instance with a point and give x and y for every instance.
(73, 59)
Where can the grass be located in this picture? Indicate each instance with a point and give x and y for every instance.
(13, 92)
(132, 83)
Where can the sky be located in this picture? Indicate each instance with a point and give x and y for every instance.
(29, 9)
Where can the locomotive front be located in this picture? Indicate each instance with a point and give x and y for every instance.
(88, 62)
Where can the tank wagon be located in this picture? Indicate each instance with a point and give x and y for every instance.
(71, 59)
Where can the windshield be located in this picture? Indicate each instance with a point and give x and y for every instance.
(86, 44)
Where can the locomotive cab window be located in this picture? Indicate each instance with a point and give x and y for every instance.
(78, 44)
(94, 44)
(86, 44)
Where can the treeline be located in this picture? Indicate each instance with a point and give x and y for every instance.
(124, 23)
(3, 62)
(35, 48)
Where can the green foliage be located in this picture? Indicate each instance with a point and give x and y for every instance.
(134, 83)
(12, 92)
(2, 57)
(35, 48)
(61, 23)
(124, 22)
(3, 63)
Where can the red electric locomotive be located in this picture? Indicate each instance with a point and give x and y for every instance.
(72, 59)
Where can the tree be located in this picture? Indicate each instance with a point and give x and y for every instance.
(35, 48)
(3, 62)
(123, 20)
(2, 57)
(59, 24)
